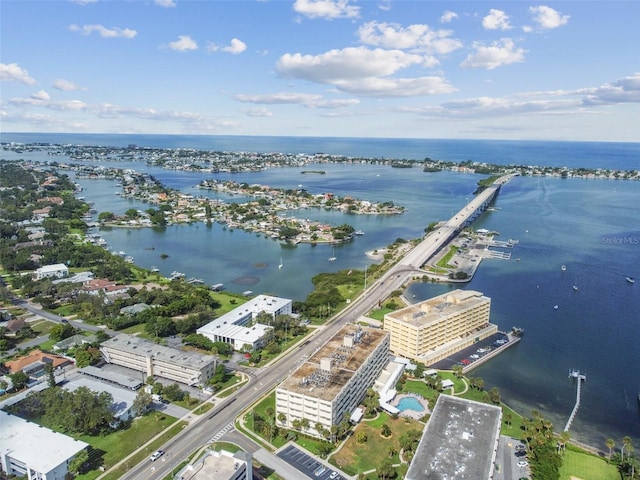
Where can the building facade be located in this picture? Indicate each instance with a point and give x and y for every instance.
(238, 327)
(333, 381)
(440, 326)
(58, 270)
(191, 368)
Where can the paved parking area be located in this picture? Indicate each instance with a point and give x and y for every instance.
(308, 465)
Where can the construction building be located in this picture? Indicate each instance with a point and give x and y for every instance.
(334, 380)
(191, 368)
(440, 326)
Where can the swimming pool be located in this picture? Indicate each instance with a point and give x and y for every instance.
(410, 403)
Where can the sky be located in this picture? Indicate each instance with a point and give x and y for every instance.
(517, 70)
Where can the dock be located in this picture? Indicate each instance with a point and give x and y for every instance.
(580, 378)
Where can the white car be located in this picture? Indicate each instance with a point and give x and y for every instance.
(156, 455)
(334, 474)
(523, 464)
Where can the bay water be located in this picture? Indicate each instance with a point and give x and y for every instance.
(590, 226)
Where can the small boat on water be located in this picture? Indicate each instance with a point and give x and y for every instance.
(555, 307)
(280, 265)
(563, 268)
(630, 279)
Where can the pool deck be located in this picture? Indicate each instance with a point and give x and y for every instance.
(414, 414)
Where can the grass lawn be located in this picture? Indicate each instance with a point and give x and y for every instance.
(353, 458)
(586, 467)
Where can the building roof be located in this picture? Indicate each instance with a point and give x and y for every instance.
(312, 380)
(113, 377)
(458, 442)
(434, 309)
(39, 448)
(226, 325)
(53, 268)
(140, 346)
(33, 357)
(219, 465)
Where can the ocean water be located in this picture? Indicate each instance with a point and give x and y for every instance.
(591, 226)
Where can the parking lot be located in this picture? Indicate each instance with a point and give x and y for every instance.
(308, 465)
(466, 354)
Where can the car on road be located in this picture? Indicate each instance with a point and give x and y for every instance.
(523, 464)
(156, 455)
(334, 474)
(520, 448)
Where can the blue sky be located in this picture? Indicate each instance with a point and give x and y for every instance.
(413, 69)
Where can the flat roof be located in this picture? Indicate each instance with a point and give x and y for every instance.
(113, 377)
(140, 346)
(434, 309)
(222, 465)
(311, 380)
(459, 441)
(38, 447)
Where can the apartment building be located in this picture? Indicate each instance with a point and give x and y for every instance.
(334, 380)
(238, 327)
(440, 326)
(191, 368)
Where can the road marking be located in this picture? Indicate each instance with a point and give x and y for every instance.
(230, 426)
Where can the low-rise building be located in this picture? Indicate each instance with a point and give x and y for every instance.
(58, 270)
(238, 327)
(191, 368)
(221, 465)
(34, 452)
(334, 380)
(440, 326)
(34, 364)
(459, 441)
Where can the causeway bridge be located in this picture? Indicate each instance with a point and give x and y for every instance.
(433, 242)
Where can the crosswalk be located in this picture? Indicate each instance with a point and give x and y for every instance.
(227, 428)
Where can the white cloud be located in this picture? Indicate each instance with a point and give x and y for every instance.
(183, 44)
(165, 3)
(346, 64)
(258, 112)
(103, 31)
(496, 20)
(396, 87)
(499, 53)
(416, 37)
(84, 2)
(548, 18)
(236, 47)
(40, 95)
(328, 9)
(448, 16)
(625, 90)
(307, 99)
(13, 72)
(65, 85)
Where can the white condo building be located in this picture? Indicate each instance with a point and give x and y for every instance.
(182, 366)
(58, 270)
(236, 328)
(335, 379)
(34, 452)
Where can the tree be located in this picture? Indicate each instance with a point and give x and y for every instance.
(610, 444)
(61, 331)
(457, 370)
(282, 418)
(386, 430)
(51, 377)
(626, 441)
(78, 462)
(386, 471)
(173, 392)
(361, 437)
(142, 402)
(19, 380)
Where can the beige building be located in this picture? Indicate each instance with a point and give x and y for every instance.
(191, 368)
(436, 328)
(334, 380)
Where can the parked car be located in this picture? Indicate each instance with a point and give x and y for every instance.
(523, 463)
(334, 474)
(156, 455)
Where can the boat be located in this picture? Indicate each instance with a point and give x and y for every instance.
(358, 232)
(555, 307)
(280, 265)
(630, 279)
(575, 285)
(333, 257)
(563, 268)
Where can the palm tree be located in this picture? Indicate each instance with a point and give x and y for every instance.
(610, 443)
(626, 441)
(564, 439)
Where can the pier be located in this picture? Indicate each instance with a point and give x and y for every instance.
(580, 378)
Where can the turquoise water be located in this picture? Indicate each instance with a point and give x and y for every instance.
(410, 403)
(591, 226)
